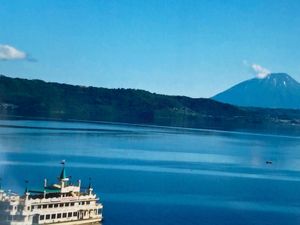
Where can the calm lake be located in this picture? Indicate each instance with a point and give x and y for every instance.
(154, 176)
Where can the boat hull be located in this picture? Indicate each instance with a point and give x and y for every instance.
(77, 222)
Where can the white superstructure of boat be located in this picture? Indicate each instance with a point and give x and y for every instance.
(62, 204)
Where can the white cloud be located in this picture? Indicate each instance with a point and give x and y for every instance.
(260, 71)
(8, 52)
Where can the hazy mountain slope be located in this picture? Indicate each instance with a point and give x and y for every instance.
(274, 91)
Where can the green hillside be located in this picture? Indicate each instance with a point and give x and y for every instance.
(39, 99)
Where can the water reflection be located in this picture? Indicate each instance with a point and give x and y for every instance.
(156, 173)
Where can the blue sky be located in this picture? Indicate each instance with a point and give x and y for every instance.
(195, 48)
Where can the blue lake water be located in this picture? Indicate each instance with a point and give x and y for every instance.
(152, 175)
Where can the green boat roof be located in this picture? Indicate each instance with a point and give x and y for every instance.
(63, 174)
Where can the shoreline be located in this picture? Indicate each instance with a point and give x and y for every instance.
(258, 132)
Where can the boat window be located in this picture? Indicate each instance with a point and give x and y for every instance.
(58, 215)
(47, 217)
(64, 215)
(50, 206)
(55, 205)
(61, 205)
(53, 216)
(44, 206)
(39, 206)
(69, 214)
(72, 204)
(67, 204)
(75, 214)
(42, 217)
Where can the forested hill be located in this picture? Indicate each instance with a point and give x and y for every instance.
(39, 99)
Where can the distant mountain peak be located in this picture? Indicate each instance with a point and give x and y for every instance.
(280, 77)
(279, 80)
(276, 90)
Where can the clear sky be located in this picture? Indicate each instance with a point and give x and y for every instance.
(195, 48)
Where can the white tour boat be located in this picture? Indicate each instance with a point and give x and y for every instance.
(60, 204)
